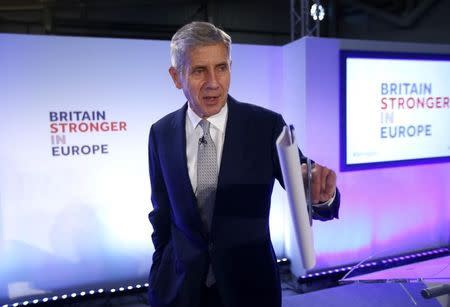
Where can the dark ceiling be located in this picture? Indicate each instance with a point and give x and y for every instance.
(260, 22)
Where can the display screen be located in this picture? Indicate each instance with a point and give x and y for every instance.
(395, 109)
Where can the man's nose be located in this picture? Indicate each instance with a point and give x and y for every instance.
(212, 81)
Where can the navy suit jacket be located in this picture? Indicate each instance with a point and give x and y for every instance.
(238, 245)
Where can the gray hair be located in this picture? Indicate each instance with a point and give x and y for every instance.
(196, 34)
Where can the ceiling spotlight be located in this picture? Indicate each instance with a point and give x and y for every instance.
(317, 12)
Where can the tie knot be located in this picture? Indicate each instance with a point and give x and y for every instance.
(205, 126)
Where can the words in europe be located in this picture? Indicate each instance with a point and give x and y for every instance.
(65, 123)
(408, 97)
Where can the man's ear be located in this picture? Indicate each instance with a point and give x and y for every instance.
(175, 77)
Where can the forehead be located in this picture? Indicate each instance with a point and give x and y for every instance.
(207, 55)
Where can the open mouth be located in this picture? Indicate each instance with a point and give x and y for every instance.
(211, 99)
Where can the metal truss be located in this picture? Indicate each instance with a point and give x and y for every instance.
(301, 22)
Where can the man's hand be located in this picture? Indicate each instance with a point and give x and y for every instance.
(323, 183)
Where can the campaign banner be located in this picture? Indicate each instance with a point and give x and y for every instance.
(396, 108)
(74, 183)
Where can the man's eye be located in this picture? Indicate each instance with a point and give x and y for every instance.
(197, 71)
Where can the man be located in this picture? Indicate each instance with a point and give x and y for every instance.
(212, 168)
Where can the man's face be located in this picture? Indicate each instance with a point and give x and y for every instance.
(206, 79)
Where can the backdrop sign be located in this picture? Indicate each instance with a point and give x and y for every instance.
(396, 108)
(74, 182)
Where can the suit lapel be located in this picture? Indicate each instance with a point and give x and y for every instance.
(178, 152)
(179, 149)
(234, 143)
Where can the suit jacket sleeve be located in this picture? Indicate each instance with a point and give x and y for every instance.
(160, 215)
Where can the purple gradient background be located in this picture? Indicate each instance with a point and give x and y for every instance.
(389, 210)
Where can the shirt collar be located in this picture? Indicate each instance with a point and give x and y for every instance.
(217, 120)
